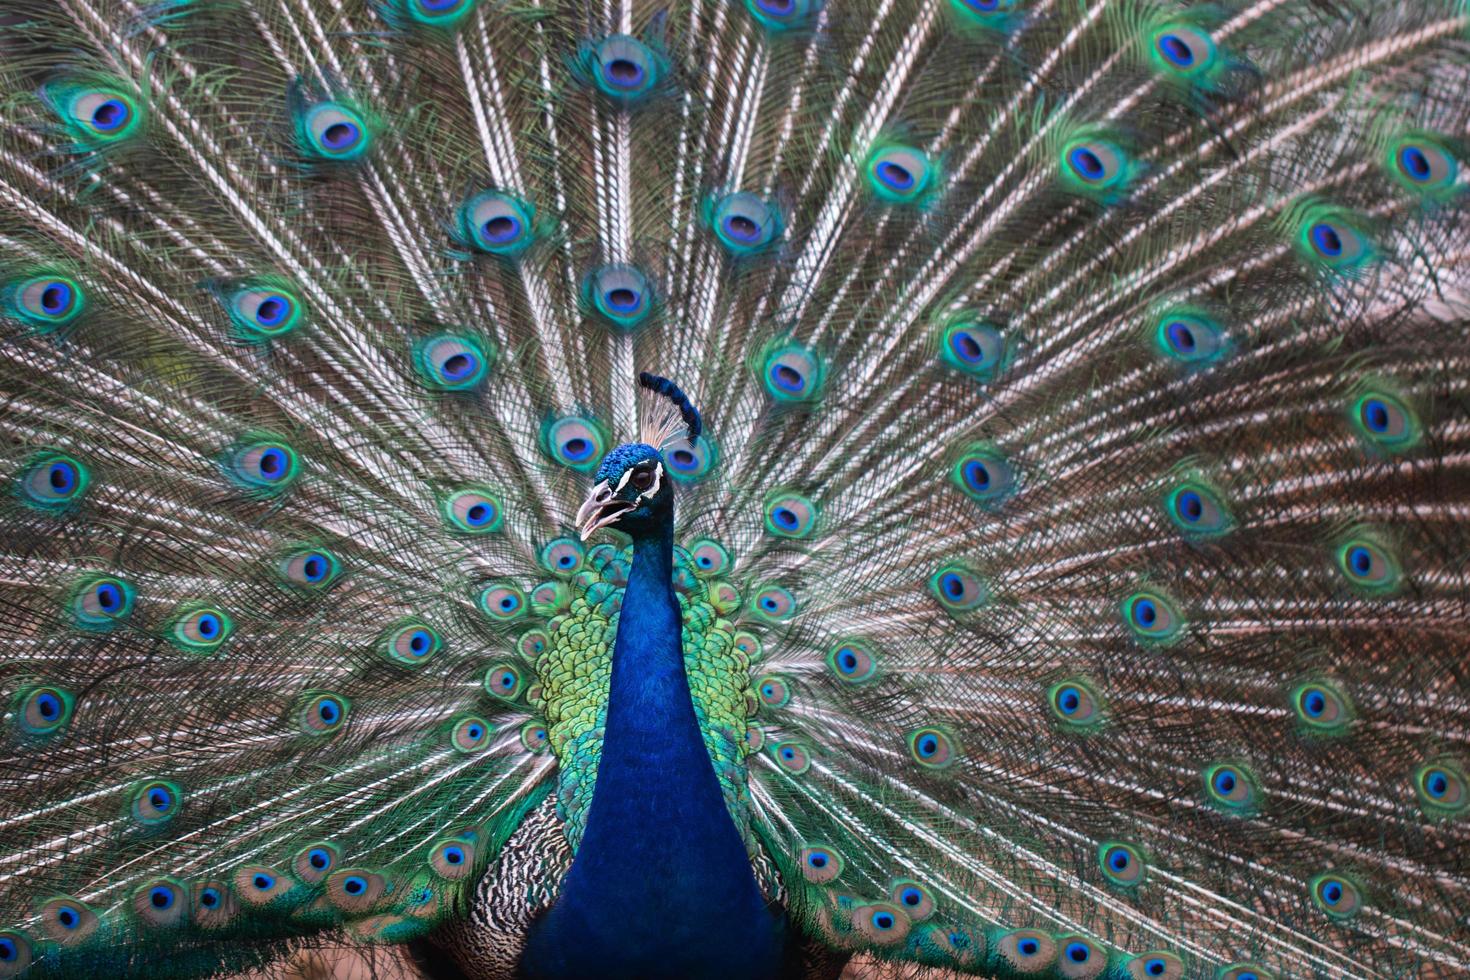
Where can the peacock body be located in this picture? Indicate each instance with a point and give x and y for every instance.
(1066, 406)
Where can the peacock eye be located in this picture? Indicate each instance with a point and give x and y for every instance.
(641, 479)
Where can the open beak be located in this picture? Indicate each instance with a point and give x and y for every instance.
(600, 509)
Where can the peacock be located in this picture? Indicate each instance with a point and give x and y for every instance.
(698, 488)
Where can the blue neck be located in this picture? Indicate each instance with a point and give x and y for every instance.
(661, 884)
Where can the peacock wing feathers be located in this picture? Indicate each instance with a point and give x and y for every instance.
(1072, 571)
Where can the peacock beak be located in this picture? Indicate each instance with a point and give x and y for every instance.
(600, 509)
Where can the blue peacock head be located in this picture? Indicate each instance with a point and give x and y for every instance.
(634, 491)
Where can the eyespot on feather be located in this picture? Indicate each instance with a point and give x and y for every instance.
(1076, 704)
(214, 904)
(1232, 788)
(820, 864)
(161, 904)
(709, 557)
(916, 900)
(900, 174)
(1244, 971)
(773, 604)
(1027, 951)
(973, 347)
(1369, 566)
(258, 885)
(452, 859)
(688, 462)
(315, 861)
(471, 734)
(1442, 789)
(535, 737)
(42, 710)
(355, 891)
(773, 691)
(852, 661)
(452, 362)
(792, 373)
(323, 713)
(45, 303)
(1181, 50)
(563, 556)
(792, 757)
(743, 223)
(261, 467)
(155, 802)
(1122, 864)
(881, 923)
(412, 643)
(1080, 958)
(309, 569)
(98, 603)
(200, 629)
(620, 295)
(66, 920)
(53, 481)
(473, 510)
(790, 515)
(576, 442)
(497, 224)
(1152, 617)
(16, 953)
(503, 602)
(985, 476)
(1321, 707)
(933, 748)
(332, 131)
(622, 67)
(1157, 965)
(1337, 895)
(779, 16)
(957, 588)
(1385, 422)
(1198, 510)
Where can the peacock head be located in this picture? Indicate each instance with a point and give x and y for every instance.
(634, 492)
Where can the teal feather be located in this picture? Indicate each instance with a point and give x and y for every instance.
(1070, 564)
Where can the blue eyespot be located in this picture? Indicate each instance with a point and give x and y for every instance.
(1097, 167)
(155, 802)
(474, 511)
(471, 734)
(973, 347)
(957, 588)
(899, 174)
(263, 881)
(1232, 787)
(1151, 617)
(575, 441)
(852, 661)
(620, 294)
(820, 864)
(451, 362)
(413, 644)
(932, 747)
(1336, 896)
(1442, 789)
(792, 373)
(790, 515)
(53, 481)
(1121, 864)
(332, 131)
(1190, 338)
(783, 15)
(263, 468)
(496, 224)
(45, 303)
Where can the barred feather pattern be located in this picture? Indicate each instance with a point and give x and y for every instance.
(1084, 486)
